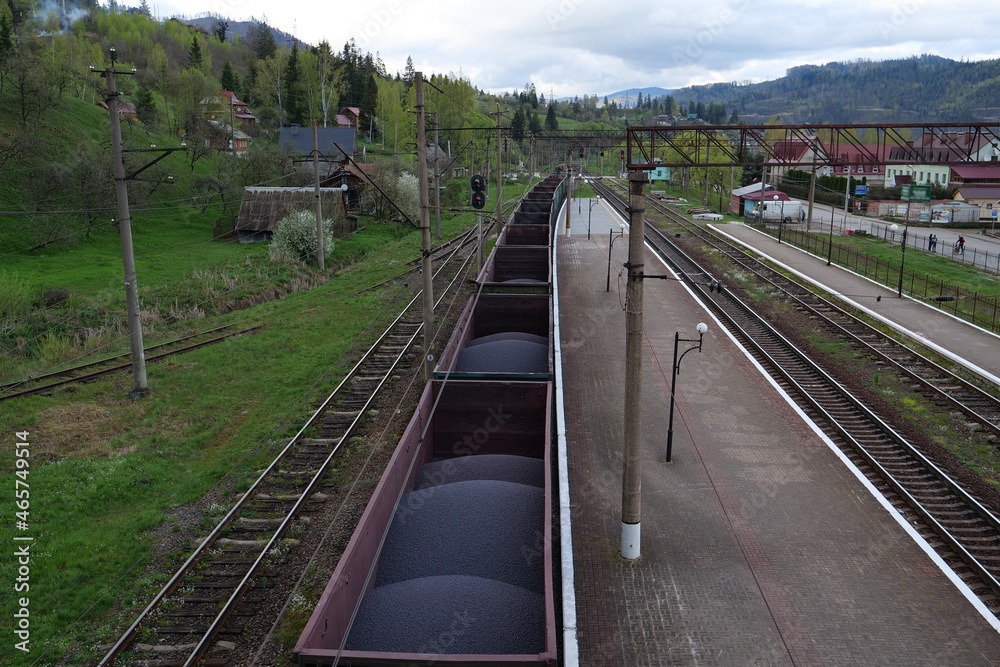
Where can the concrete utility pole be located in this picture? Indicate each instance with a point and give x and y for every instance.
(141, 387)
(732, 177)
(319, 203)
(631, 469)
(763, 188)
(812, 196)
(437, 179)
(569, 190)
(499, 209)
(708, 159)
(425, 229)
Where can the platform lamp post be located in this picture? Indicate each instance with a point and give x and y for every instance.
(996, 212)
(902, 261)
(611, 246)
(701, 329)
(590, 212)
(781, 216)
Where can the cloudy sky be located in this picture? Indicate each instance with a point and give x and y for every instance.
(573, 47)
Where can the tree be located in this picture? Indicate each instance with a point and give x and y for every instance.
(535, 124)
(221, 28)
(517, 125)
(551, 122)
(195, 58)
(290, 83)
(230, 80)
(409, 72)
(369, 100)
(145, 107)
(391, 114)
(734, 119)
(269, 89)
(329, 79)
(260, 39)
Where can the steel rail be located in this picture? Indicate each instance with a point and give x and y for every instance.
(89, 364)
(119, 367)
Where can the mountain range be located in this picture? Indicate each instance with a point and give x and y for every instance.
(919, 89)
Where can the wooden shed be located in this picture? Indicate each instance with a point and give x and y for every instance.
(262, 209)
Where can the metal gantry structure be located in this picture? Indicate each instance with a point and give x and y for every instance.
(808, 146)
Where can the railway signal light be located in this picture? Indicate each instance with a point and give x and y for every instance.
(623, 155)
(602, 152)
(478, 184)
(581, 152)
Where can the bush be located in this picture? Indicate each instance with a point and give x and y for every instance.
(295, 236)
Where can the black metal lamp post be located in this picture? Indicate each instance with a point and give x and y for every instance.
(781, 216)
(611, 245)
(902, 261)
(590, 213)
(701, 329)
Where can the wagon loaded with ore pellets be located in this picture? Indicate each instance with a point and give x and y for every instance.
(451, 562)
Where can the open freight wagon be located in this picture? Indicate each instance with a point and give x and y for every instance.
(464, 577)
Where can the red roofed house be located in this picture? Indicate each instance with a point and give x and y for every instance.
(350, 117)
(227, 108)
(125, 109)
(975, 174)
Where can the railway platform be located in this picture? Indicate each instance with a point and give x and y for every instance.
(760, 544)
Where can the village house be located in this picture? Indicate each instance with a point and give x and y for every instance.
(225, 107)
(126, 110)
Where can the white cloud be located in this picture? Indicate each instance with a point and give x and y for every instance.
(587, 46)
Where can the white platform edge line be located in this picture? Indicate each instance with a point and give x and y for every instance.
(910, 530)
(882, 318)
(571, 647)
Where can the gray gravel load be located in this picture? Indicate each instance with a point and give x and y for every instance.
(450, 615)
(504, 356)
(480, 528)
(499, 467)
(509, 335)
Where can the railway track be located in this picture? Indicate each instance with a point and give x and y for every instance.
(206, 605)
(957, 524)
(95, 369)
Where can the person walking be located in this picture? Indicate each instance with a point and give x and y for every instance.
(931, 242)
(961, 245)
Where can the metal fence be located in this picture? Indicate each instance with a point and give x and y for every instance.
(969, 306)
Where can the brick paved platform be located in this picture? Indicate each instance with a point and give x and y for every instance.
(759, 545)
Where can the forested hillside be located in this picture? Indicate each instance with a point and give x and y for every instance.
(919, 89)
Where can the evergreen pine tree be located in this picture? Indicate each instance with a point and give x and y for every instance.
(290, 83)
(409, 72)
(145, 107)
(735, 118)
(517, 125)
(221, 28)
(551, 123)
(535, 124)
(195, 58)
(369, 100)
(230, 80)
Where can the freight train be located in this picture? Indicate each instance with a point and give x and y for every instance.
(452, 560)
